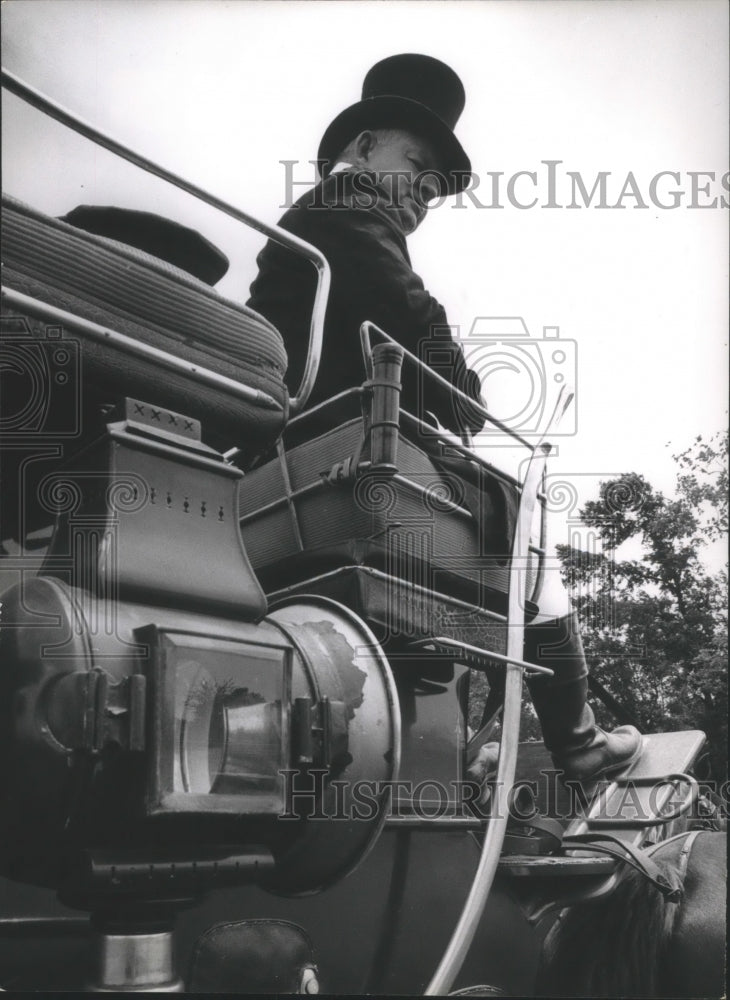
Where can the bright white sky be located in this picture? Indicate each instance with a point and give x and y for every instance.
(222, 91)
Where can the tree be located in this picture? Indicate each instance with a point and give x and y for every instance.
(655, 627)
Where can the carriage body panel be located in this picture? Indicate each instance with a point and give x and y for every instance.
(404, 557)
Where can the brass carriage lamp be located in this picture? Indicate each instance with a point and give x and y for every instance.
(154, 724)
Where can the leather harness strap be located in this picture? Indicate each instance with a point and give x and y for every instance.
(686, 851)
(683, 861)
(670, 885)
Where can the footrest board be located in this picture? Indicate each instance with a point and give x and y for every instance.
(642, 793)
(550, 866)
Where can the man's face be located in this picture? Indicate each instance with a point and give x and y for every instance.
(402, 162)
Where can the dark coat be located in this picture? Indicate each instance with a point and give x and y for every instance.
(372, 278)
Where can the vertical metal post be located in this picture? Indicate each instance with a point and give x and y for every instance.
(385, 407)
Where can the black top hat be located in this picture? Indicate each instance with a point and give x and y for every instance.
(417, 93)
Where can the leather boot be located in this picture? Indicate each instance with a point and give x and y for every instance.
(577, 745)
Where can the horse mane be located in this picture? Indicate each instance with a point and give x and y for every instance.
(613, 947)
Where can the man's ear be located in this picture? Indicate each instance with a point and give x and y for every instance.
(364, 145)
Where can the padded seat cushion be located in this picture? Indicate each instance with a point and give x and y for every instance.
(146, 298)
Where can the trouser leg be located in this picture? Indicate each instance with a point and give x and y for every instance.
(577, 745)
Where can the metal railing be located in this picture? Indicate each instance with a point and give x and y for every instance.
(463, 934)
(514, 665)
(45, 104)
(466, 447)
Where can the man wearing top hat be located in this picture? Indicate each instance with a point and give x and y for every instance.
(381, 161)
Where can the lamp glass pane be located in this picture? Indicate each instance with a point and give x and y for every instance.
(228, 716)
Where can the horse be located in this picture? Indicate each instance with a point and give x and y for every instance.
(637, 942)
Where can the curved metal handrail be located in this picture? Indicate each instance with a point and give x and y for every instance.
(465, 930)
(564, 400)
(369, 327)
(43, 103)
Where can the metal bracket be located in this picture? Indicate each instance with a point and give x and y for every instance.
(318, 732)
(480, 659)
(91, 711)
